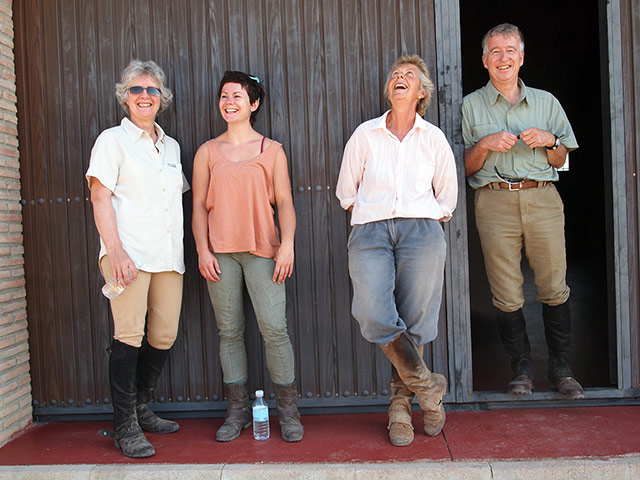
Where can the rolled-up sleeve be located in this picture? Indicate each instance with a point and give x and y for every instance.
(445, 177)
(104, 162)
(351, 172)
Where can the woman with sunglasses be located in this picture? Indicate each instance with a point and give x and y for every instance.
(136, 183)
(238, 178)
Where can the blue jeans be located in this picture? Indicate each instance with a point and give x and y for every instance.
(269, 303)
(397, 271)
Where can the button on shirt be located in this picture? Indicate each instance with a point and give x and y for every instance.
(147, 185)
(383, 177)
(487, 111)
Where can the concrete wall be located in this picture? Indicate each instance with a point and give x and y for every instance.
(15, 381)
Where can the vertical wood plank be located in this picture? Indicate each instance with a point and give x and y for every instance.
(457, 269)
(629, 22)
(633, 129)
(28, 60)
(340, 20)
(69, 200)
(108, 113)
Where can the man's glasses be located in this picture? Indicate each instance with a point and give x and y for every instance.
(513, 181)
(137, 90)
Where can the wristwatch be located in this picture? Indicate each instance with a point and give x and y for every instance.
(556, 144)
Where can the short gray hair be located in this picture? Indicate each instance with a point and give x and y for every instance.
(426, 85)
(135, 69)
(505, 29)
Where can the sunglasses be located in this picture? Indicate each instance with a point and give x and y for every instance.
(137, 90)
(505, 178)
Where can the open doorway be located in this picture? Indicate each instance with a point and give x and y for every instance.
(562, 56)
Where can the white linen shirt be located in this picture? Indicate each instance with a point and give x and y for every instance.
(383, 177)
(147, 186)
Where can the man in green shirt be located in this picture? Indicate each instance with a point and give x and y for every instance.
(516, 138)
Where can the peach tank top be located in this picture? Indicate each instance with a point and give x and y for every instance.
(240, 203)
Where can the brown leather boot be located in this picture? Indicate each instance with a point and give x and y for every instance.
(400, 424)
(290, 426)
(238, 415)
(429, 387)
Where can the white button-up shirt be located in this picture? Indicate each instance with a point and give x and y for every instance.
(147, 185)
(383, 177)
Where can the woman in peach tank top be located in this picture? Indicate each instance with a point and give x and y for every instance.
(238, 179)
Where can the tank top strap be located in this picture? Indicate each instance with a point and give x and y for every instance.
(214, 151)
(262, 144)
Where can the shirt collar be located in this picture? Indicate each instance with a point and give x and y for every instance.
(493, 94)
(382, 122)
(136, 132)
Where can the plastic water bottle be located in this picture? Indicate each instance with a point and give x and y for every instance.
(112, 289)
(260, 417)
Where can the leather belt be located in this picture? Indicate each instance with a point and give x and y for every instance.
(525, 184)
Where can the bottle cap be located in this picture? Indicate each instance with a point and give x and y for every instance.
(259, 393)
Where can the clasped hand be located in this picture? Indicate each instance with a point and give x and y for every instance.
(532, 137)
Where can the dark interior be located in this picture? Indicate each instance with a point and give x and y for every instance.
(562, 55)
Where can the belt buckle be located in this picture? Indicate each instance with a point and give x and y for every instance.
(514, 187)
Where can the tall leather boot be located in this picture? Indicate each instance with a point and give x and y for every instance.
(400, 423)
(290, 426)
(557, 331)
(122, 377)
(429, 387)
(513, 332)
(150, 363)
(238, 415)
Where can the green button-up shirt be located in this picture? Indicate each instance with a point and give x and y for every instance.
(487, 111)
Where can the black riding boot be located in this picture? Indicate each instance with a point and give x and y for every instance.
(150, 363)
(513, 332)
(122, 377)
(557, 330)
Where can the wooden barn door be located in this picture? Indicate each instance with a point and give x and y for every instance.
(322, 62)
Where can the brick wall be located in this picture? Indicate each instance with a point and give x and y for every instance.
(15, 381)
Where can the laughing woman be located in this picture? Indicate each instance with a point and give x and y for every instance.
(136, 183)
(398, 178)
(238, 177)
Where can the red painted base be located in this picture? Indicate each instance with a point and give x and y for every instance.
(497, 434)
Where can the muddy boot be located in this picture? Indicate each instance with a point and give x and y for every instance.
(513, 332)
(400, 424)
(429, 387)
(150, 363)
(122, 377)
(290, 426)
(238, 415)
(557, 330)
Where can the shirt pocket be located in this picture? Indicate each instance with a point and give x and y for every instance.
(174, 176)
(481, 131)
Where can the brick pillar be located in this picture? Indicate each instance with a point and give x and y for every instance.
(15, 381)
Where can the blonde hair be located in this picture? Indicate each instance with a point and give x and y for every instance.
(426, 85)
